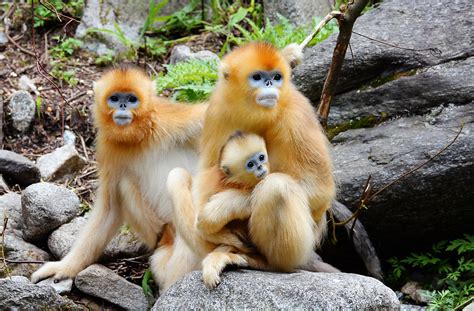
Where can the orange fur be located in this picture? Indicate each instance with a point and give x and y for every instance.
(134, 161)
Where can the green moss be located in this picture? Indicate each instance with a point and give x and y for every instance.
(364, 122)
(388, 78)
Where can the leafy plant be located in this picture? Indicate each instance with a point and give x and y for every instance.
(189, 81)
(146, 281)
(450, 267)
(105, 60)
(48, 11)
(38, 107)
(60, 73)
(65, 48)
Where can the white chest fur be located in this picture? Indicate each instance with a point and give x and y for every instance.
(152, 171)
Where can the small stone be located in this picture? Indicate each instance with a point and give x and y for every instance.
(61, 162)
(18, 169)
(123, 245)
(69, 137)
(3, 38)
(45, 207)
(22, 107)
(61, 287)
(99, 281)
(3, 185)
(27, 84)
(422, 296)
(182, 53)
(16, 295)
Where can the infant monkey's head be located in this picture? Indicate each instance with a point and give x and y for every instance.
(244, 159)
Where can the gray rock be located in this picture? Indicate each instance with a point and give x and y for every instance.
(61, 287)
(470, 307)
(22, 109)
(18, 250)
(183, 53)
(429, 87)
(10, 207)
(400, 22)
(98, 281)
(405, 307)
(45, 207)
(123, 245)
(3, 38)
(19, 279)
(69, 137)
(16, 295)
(18, 169)
(27, 84)
(3, 185)
(434, 202)
(298, 12)
(245, 289)
(61, 162)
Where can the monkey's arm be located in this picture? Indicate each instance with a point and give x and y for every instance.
(100, 228)
(222, 208)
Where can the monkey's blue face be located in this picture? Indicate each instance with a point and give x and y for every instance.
(122, 105)
(267, 84)
(256, 165)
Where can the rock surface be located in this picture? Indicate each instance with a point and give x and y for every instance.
(18, 169)
(20, 295)
(10, 207)
(433, 203)
(298, 12)
(45, 207)
(245, 289)
(22, 109)
(3, 185)
(397, 22)
(182, 53)
(123, 245)
(61, 287)
(61, 162)
(98, 281)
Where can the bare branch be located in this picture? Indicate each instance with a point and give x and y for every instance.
(318, 28)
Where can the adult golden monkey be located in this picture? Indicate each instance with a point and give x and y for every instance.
(140, 138)
(254, 94)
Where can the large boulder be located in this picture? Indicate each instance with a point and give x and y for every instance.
(45, 207)
(18, 169)
(433, 203)
(407, 24)
(124, 244)
(19, 294)
(98, 281)
(296, 11)
(245, 289)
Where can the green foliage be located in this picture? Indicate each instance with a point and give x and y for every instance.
(65, 48)
(38, 107)
(58, 71)
(189, 81)
(450, 266)
(146, 281)
(283, 33)
(105, 60)
(181, 22)
(45, 11)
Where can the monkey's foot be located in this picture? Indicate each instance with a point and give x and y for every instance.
(58, 270)
(178, 178)
(215, 263)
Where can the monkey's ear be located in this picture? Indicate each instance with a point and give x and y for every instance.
(225, 170)
(224, 70)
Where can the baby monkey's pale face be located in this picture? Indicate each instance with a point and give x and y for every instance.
(244, 160)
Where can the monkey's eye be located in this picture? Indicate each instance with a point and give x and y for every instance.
(250, 164)
(114, 98)
(261, 157)
(277, 77)
(257, 77)
(132, 99)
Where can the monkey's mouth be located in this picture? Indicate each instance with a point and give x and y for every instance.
(267, 98)
(122, 119)
(262, 174)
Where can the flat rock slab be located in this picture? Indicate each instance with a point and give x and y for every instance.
(45, 207)
(18, 169)
(99, 281)
(20, 295)
(246, 289)
(61, 162)
(123, 245)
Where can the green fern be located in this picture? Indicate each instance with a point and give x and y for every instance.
(189, 81)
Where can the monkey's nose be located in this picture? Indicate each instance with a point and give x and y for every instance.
(268, 83)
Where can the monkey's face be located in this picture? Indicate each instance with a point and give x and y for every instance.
(266, 86)
(244, 159)
(123, 105)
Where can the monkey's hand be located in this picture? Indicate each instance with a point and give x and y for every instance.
(221, 209)
(216, 261)
(59, 270)
(293, 54)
